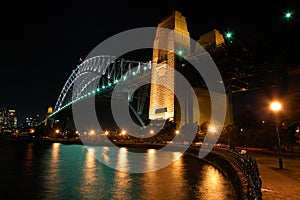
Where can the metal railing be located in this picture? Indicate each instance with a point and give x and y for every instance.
(248, 166)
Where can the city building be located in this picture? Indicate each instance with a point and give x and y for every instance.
(32, 121)
(8, 120)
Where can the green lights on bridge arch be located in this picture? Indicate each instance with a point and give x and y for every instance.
(288, 15)
(102, 88)
(228, 35)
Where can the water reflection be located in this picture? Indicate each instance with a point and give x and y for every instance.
(122, 180)
(52, 176)
(105, 155)
(73, 172)
(28, 162)
(150, 159)
(178, 176)
(122, 159)
(89, 169)
(214, 184)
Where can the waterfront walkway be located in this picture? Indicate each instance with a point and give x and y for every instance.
(278, 183)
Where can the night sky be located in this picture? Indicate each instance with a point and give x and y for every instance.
(41, 42)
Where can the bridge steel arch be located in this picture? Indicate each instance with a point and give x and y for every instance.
(108, 69)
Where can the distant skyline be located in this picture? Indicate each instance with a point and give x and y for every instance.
(42, 42)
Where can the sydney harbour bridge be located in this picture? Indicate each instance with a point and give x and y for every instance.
(239, 69)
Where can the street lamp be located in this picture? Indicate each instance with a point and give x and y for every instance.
(276, 107)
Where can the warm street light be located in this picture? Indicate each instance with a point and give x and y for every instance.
(212, 129)
(106, 133)
(123, 132)
(151, 132)
(276, 107)
(57, 131)
(177, 132)
(92, 132)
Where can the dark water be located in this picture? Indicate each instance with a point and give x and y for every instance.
(57, 171)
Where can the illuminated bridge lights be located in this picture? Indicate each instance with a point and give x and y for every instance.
(288, 15)
(116, 72)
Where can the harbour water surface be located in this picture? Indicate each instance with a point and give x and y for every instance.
(58, 171)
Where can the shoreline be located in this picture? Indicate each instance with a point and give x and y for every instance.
(42, 140)
(79, 142)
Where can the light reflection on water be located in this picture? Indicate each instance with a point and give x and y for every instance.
(69, 172)
(52, 177)
(212, 182)
(89, 170)
(29, 159)
(122, 180)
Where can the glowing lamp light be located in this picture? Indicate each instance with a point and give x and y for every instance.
(275, 106)
(92, 132)
(212, 129)
(151, 151)
(151, 132)
(177, 132)
(57, 131)
(123, 132)
(228, 35)
(288, 15)
(106, 133)
(180, 52)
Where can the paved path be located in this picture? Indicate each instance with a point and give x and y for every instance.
(278, 183)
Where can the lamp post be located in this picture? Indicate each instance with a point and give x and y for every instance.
(276, 107)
